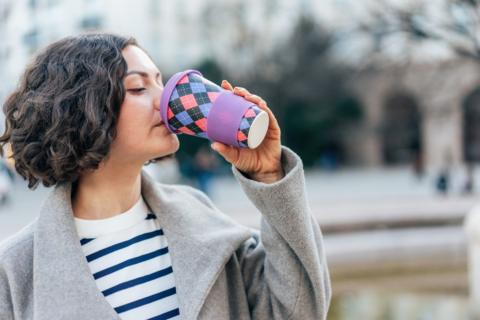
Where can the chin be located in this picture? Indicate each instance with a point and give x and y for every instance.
(173, 148)
(175, 144)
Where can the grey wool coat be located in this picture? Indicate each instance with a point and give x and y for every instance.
(223, 270)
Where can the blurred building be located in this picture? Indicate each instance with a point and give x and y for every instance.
(416, 112)
(177, 34)
(428, 110)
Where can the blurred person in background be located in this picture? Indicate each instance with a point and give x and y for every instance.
(84, 120)
(443, 179)
(469, 183)
(204, 166)
(7, 178)
(418, 164)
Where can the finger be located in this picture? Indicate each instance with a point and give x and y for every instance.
(273, 120)
(226, 85)
(259, 101)
(241, 91)
(229, 153)
(273, 123)
(254, 98)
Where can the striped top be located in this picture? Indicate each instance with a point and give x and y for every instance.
(129, 260)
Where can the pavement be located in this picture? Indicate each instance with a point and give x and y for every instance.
(332, 196)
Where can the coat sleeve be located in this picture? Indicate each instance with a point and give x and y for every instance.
(284, 267)
(6, 308)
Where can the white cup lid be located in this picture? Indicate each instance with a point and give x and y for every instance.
(258, 130)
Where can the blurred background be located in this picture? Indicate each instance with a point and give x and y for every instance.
(380, 98)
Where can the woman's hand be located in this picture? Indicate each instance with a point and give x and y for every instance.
(262, 163)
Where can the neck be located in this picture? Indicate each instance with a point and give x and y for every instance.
(107, 191)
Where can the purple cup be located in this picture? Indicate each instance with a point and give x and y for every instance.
(193, 105)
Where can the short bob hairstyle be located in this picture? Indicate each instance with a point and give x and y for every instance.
(61, 119)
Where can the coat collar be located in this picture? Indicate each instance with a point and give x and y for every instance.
(200, 238)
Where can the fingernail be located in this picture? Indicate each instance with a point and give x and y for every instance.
(214, 147)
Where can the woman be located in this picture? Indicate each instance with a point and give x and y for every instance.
(110, 243)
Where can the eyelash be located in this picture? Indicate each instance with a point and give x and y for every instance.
(137, 90)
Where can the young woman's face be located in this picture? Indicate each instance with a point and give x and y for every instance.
(141, 135)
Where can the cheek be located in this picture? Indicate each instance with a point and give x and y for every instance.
(134, 120)
(136, 110)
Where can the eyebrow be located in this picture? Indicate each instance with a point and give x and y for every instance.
(141, 73)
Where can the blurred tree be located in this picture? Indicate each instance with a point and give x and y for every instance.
(455, 23)
(211, 70)
(306, 90)
(308, 93)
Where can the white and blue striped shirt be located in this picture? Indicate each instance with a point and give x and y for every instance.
(129, 260)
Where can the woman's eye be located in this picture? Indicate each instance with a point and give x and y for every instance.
(136, 89)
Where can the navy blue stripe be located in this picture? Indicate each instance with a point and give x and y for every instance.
(167, 315)
(146, 300)
(123, 244)
(151, 216)
(130, 262)
(86, 240)
(137, 281)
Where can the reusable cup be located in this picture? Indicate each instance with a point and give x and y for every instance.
(193, 105)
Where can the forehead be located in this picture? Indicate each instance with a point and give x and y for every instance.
(137, 59)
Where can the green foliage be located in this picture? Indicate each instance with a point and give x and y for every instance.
(308, 94)
(306, 91)
(313, 128)
(211, 70)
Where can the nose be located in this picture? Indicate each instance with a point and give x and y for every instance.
(157, 97)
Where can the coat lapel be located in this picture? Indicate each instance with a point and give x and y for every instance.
(63, 285)
(200, 239)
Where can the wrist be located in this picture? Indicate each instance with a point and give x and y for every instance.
(268, 177)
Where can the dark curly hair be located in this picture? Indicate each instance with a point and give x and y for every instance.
(61, 119)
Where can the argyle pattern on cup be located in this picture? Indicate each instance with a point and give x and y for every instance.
(245, 124)
(190, 103)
